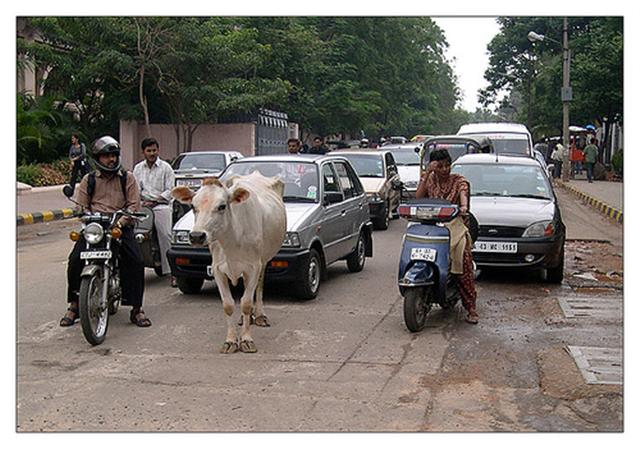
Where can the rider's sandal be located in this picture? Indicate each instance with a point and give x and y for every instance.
(472, 318)
(140, 322)
(67, 320)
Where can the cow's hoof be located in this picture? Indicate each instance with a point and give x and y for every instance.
(229, 347)
(252, 321)
(248, 346)
(262, 321)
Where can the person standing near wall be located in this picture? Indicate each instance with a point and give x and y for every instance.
(590, 158)
(78, 155)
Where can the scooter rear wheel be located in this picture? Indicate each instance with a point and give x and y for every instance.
(417, 305)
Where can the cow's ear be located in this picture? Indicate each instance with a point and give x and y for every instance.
(239, 195)
(183, 194)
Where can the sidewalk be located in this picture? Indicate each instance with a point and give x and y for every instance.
(40, 204)
(605, 196)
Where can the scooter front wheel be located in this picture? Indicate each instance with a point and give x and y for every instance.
(417, 305)
(94, 318)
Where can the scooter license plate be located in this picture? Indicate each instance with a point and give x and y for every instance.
(426, 254)
(95, 255)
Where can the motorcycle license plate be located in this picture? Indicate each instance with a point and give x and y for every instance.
(495, 247)
(95, 255)
(426, 254)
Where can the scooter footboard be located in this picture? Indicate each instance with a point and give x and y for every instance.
(413, 271)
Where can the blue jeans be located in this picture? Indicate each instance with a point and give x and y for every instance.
(590, 171)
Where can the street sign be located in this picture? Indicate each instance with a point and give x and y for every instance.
(566, 93)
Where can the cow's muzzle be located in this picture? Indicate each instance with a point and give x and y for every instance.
(197, 238)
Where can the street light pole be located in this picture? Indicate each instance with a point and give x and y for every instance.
(566, 99)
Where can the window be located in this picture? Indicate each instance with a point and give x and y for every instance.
(345, 181)
(355, 181)
(329, 179)
(392, 170)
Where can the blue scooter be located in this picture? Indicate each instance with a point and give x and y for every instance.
(423, 276)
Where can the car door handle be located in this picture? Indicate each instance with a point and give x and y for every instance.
(343, 212)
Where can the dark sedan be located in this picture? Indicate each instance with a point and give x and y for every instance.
(517, 211)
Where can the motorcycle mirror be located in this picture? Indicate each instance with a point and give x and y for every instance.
(68, 191)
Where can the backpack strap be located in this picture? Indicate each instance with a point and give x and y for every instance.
(91, 185)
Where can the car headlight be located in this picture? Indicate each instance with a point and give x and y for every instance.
(540, 229)
(180, 238)
(374, 197)
(291, 240)
(93, 233)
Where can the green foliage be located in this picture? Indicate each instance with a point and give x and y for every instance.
(28, 174)
(39, 175)
(531, 73)
(616, 162)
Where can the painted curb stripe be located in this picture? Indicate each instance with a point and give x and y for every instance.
(49, 215)
(607, 210)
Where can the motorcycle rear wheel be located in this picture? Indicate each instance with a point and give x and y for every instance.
(93, 318)
(417, 305)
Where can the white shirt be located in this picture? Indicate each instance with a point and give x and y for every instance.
(156, 181)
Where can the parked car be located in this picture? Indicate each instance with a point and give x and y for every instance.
(520, 225)
(378, 173)
(191, 168)
(407, 158)
(512, 138)
(327, 221)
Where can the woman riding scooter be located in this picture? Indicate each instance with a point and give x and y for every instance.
(438, 182)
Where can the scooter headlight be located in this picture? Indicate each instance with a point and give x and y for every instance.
(93, 233)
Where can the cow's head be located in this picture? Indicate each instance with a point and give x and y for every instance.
(211, 207)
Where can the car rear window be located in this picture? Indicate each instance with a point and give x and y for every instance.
(195, 161)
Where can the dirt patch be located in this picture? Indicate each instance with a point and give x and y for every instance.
(561, 378)
(588, 263)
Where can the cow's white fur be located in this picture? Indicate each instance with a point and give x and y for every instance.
(242, 239)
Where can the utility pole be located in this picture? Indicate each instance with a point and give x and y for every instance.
(566, 96)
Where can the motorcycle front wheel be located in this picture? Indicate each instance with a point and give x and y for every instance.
(93, 317)
(417, 305)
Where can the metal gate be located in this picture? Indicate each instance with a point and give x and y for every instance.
(272, 132)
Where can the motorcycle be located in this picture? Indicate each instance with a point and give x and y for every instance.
(423, 276)
(100, 291)
(147, 238)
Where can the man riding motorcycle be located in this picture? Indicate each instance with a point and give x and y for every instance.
(107, 190)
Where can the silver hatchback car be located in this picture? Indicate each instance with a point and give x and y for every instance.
(327, 221)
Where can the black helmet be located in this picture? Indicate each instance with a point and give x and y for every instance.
(106, 145)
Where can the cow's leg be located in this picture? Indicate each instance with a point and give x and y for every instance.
(246, 305)
(261, 318)
(231, 342)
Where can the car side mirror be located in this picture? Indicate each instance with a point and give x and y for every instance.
(333, 198)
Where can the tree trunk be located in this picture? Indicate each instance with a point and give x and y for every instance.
(143, 101)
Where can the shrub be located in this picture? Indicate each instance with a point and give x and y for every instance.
(616, 162)
(39, 175)
(28, 174)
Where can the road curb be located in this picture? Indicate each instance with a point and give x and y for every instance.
(600, 206)
(49, 215)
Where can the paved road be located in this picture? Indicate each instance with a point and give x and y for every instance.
(342, 362)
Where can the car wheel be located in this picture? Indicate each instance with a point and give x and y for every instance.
(556, 274)
(309, 277)
(189, 286)
(355, 260)
(382, 222)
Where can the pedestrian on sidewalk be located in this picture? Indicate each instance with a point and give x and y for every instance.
(558, 158)
(577, 156)
(590, 158)
(78, 156)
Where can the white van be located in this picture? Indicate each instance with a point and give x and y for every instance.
(511, 138)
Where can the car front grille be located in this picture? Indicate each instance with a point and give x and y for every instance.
(500, 231)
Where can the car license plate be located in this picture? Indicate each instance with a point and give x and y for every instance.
(95, 255)
(495, 247)
(209, 270)
(189, 182)
(426, 254)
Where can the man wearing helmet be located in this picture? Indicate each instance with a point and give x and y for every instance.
(108, 189)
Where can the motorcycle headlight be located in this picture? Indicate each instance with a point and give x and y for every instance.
(540, 229)
(291, 239)
(180, 238)
(93, 233)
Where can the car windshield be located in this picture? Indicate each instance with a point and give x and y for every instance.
(195, 161)
(366, 165)
(455, 151)
(406, 157)
(525, 181)
(512, 144)
(300, 178)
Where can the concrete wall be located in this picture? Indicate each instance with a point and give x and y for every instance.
(228, 136)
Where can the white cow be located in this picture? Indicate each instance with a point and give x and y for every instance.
(244, 223)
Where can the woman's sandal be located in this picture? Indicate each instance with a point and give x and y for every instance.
(135, 318)
(68, 319)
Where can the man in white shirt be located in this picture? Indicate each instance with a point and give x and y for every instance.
(156, 179)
